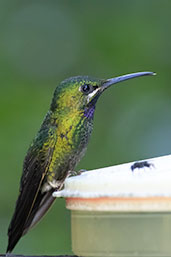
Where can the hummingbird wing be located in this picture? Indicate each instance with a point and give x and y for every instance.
(30, 198)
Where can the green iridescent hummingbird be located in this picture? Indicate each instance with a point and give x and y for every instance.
(57, 148)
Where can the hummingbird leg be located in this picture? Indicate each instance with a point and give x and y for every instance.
(75, 173)
(81, 171)
(72, 173)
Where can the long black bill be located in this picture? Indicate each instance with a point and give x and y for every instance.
(112, 81)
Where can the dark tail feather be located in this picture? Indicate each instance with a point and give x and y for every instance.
(45, 204)
(19, 220)
(21, 223)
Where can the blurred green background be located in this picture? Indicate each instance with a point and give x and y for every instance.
(43, 42)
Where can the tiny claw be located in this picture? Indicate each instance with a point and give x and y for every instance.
(81, 171)
(73, 173)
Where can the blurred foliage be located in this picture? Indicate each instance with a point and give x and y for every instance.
(43, 42)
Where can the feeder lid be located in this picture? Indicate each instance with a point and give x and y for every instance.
(148, 178)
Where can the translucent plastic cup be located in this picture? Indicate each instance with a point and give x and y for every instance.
(119, 212)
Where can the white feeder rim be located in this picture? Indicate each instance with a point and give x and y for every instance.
(152, 180)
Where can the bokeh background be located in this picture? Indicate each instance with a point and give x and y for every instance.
(43, 42)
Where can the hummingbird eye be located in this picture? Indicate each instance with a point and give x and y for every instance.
(87, 88)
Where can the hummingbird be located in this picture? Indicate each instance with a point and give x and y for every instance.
(57, 148)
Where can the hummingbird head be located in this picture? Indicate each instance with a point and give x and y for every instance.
(81, 92)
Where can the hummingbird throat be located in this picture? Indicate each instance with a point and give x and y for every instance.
(89, 112)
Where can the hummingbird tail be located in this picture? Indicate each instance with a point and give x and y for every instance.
(21, 223)
(45, 204)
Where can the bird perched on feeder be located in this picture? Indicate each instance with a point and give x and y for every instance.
(57, 148)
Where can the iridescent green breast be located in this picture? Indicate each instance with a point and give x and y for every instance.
(72, 133)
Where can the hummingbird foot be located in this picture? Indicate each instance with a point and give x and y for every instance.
(81, 171)
(72, 173)
(75, 173)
